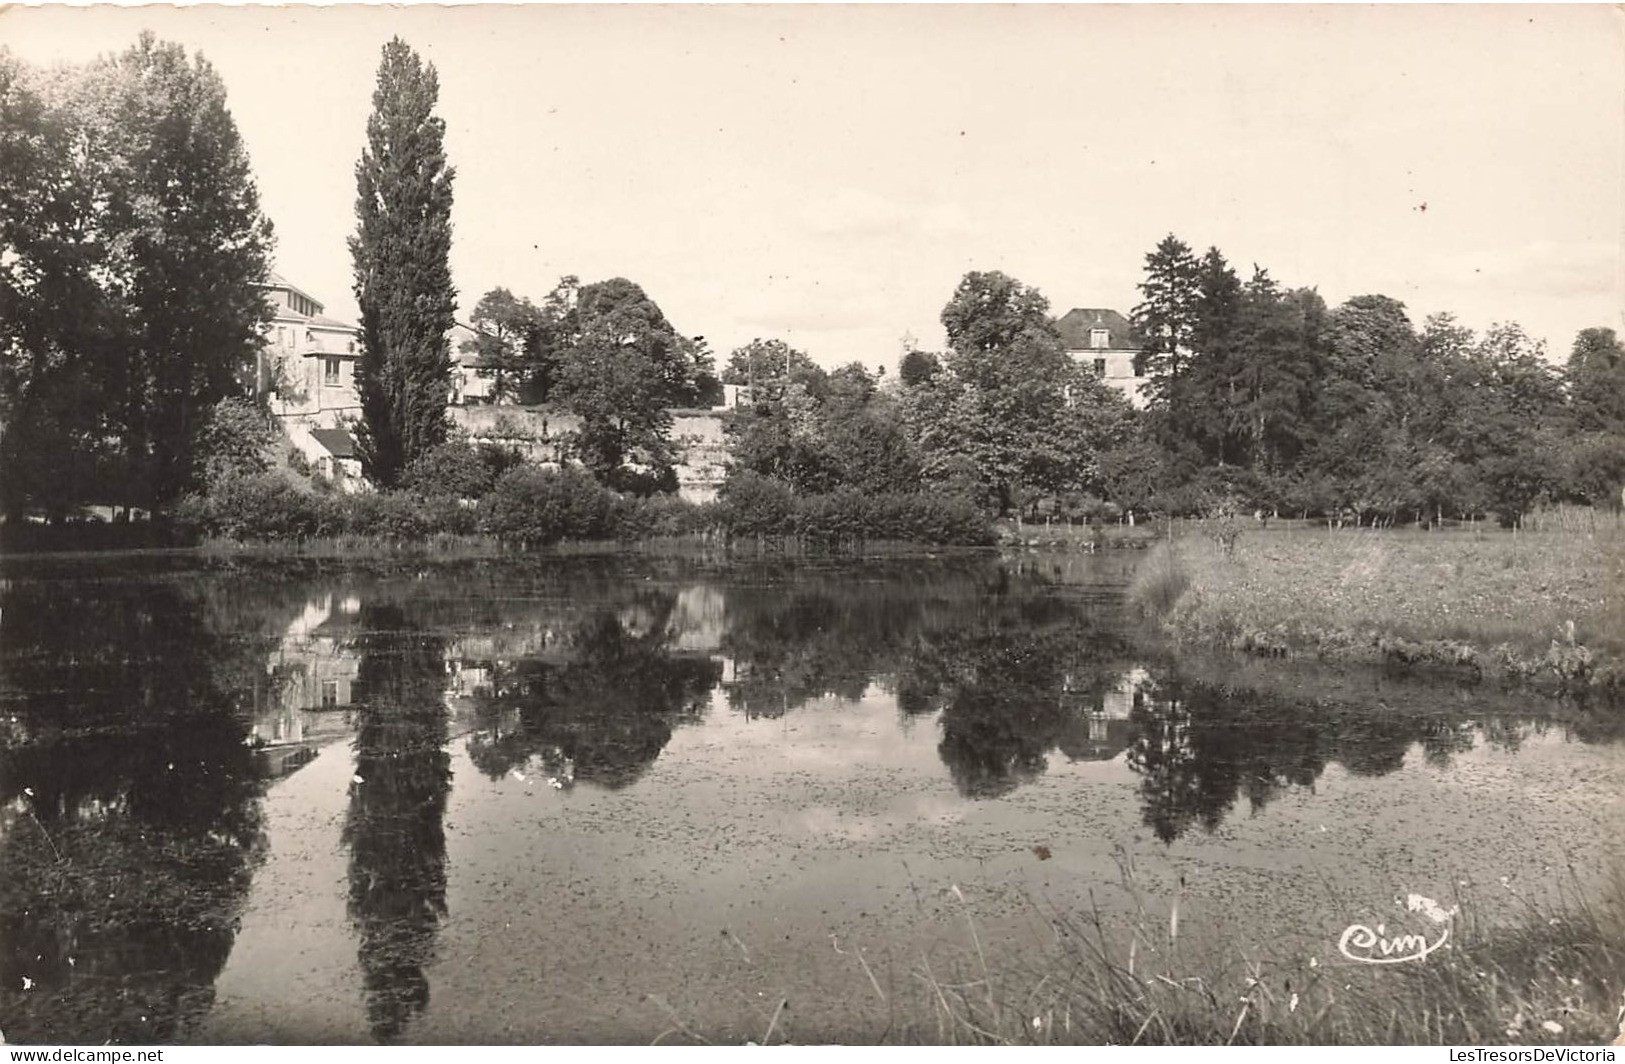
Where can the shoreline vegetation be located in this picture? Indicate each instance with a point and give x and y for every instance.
(1550, 974)
(1536, 609)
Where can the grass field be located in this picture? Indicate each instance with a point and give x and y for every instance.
(1540, 604)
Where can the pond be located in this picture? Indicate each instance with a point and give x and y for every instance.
(621, 799)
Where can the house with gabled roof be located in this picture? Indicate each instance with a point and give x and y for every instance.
(1102, 340)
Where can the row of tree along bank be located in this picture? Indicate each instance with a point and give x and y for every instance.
(1257, 398)
(1263, 395)
(131, 303)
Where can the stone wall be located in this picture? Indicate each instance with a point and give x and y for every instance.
(539, 433)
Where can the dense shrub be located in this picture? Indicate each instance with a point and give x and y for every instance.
(839, 517)
(753, 505)
(264, 506)
(237, 438)
(404, 516)
(633, 518)
(453, 470)
(946, 519)
(531, 506)
(270, 508)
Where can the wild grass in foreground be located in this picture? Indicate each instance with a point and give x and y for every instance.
(1554, 976)
(1535, 605)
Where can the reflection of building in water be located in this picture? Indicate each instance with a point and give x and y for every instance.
(312, 676)
(699, 619)
(1120, 701)
(1103, 730)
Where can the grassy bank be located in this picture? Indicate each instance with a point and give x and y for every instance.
(1552, 974)
(1539, 607)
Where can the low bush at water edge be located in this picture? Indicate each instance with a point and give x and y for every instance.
(529, 507)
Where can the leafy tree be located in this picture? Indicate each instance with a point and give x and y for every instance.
(625, 434)
(1132, 470)
(54, 435)
(1596, 380)
(992, 318)
(621, 366)
(507, 341)
(1593, 468)
(1013, 413)
(618, 312)
(767, 367)
(817, 431)
(402, 276)
(187, 249)
(858, 434)
(918, 367)
(135, 248)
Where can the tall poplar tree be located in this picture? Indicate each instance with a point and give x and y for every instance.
(402, 276)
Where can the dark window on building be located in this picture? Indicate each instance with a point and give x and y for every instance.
(331, 371)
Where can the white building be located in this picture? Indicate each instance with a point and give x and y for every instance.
(308, 363)
(1101, 339)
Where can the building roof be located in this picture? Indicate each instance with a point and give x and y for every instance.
(338, 442)
(276, 280)
(322, 321)
(1077, 324)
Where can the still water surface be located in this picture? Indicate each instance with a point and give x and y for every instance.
(621, 799)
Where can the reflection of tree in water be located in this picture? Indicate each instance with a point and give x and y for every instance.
(819, 637)
(1198, 747)
(1009, 696)
(128, 808)
(825, 634)
(600, 710)
(395, 828)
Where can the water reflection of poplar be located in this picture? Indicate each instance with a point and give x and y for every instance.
(601, 706)
(395, 828)
(128, 809)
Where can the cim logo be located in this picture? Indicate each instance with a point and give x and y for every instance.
(1367, 946)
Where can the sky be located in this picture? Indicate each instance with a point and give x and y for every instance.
(827, 174)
